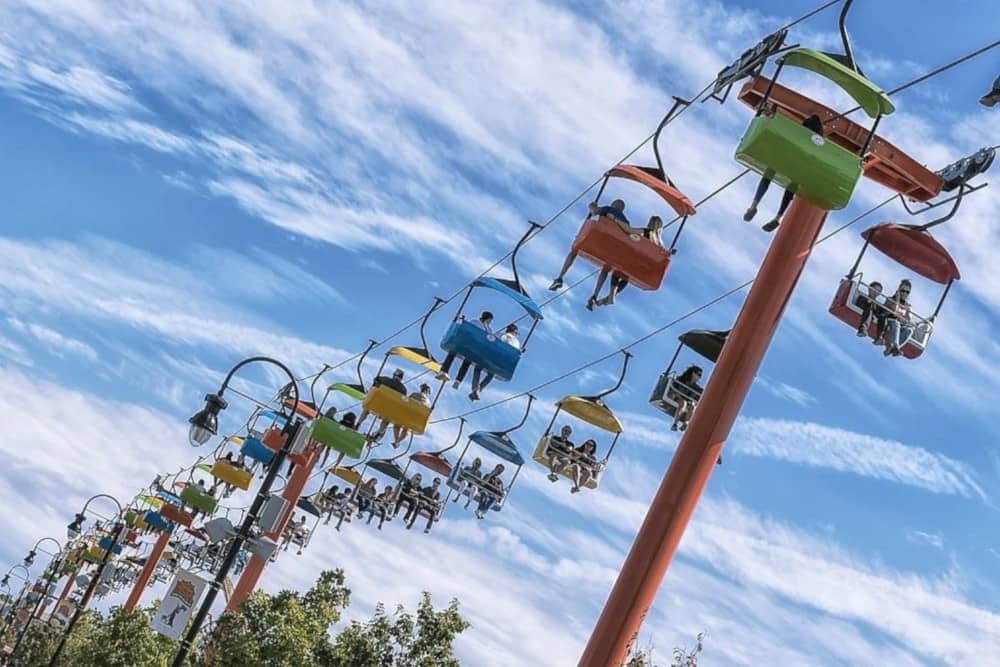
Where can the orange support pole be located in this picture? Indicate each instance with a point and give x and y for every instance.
(292, 493)
(693, 463)
(147, 570)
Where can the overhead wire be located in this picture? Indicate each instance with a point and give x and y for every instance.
(543, 226)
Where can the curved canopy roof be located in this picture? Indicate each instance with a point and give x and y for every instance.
(387, 468)
(915, 249)
(592, 411)
(522, 299)
(435, 462)
(308, 506)
(235, 439)
(416, 355)
(272, 416)
(706, 343)
(349, 475)
(871, 98)
(353, 390)
(169, 497)
(499, 444)
(654, 179)
(304, 408)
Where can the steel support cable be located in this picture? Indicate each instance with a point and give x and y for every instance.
(563, 210)
(654, 332)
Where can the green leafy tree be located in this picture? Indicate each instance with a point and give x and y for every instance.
(400, 640)
(682, 657)
(283, 629)
(123, 639)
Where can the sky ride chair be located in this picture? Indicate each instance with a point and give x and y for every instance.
(499, 444)
(591, 410)
(825, 170)
(603, 243)
(708, 345)
(468, 341)
(913, 247)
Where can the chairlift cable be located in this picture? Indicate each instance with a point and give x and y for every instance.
(564, 209)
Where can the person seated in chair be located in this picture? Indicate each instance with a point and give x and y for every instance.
(400, 433)
(615, 214)
(485, 322)
(382, 505)
(653, 233)
(685, 391)
(813, 123)
(479, 380)
(395, 383)
(408, 493)
(870, 308)
(899, 326)
(559, 451)
(428, 501)
(584, 465)
(491, 491)
(468, 480)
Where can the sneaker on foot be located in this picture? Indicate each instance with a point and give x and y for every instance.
(771, 226)
(575, 489)
(556, 284)
(474, 396)
(553, 477)
(456, 384)
(861, 333)
(751, 212)
(673, 427)
(591, 302)
(442, 376)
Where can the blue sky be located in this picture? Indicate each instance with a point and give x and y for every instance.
(188, 186)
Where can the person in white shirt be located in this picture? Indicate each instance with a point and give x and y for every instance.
(479, 382)
(423, 397)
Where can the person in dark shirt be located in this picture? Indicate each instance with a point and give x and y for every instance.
(653, 233)
(616, 214)
(584, 466)
(428, 501)
(381, 505)
(491, 491)
(559, 450)
(813, 123)
(870, 308)
(396, 384)
(685, 391)
(408, 493)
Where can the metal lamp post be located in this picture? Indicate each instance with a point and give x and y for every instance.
(204, 425)
(73, 530)
(49, 578)
(16, 603)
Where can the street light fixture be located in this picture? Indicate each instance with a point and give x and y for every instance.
(17, 603)
(73, 529)
(205, 422)
(116, 534)
(49, 577)
(204, 425)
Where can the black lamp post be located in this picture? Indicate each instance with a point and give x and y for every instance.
(72, 531)
(48, 579)
(204, 425)
(16, 603)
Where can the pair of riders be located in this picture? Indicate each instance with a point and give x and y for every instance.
(613, 214)
(893, 326)
(480, 378)
(580, 463)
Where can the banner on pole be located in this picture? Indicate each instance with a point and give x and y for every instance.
(178, 604)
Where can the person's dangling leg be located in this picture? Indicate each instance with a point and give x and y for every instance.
(558, 282)
(601, 277)
(446, 367)
(486, 380)
(762, 187)
(462, 371)
(786, 199)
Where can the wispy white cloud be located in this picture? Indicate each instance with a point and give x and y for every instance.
(828, 447)
(55, 342)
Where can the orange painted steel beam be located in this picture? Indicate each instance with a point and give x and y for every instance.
(887, 164)
(155, 554)
(292, 493)
(692, 465)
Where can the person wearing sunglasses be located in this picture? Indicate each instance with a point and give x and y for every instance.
(898, 325)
